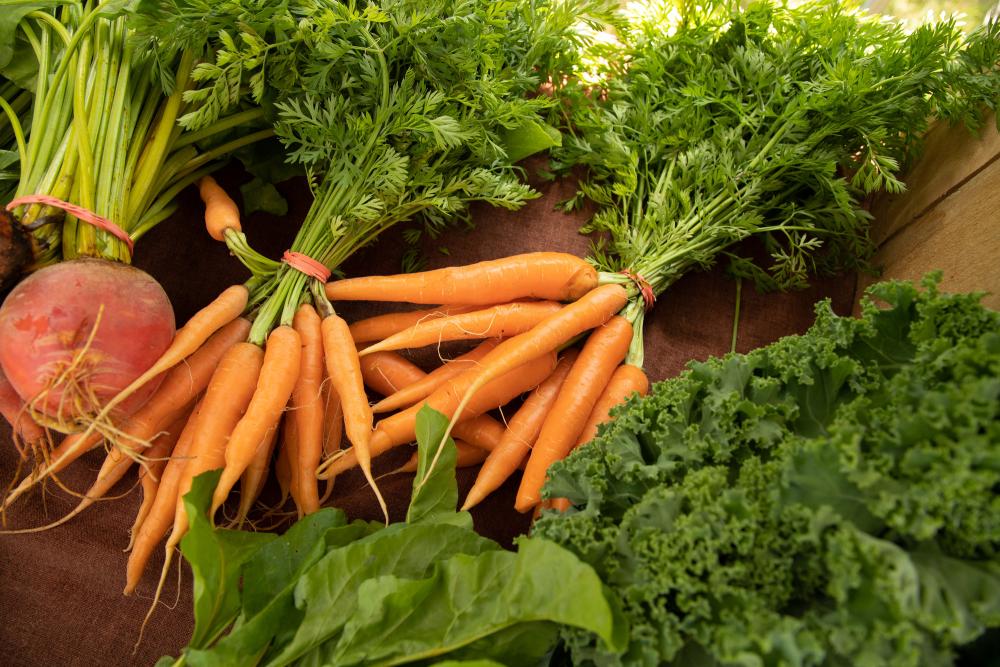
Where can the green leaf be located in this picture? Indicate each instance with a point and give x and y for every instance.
(259, 195)
(528, 138)
(10, 18)
(328, 593)
(435, 496)
(216, 558)
(468, 597)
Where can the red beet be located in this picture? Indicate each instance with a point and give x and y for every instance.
(54, 355)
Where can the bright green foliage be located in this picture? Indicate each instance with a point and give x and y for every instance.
(830, 499)
(398, 110)
(722, 120)
(329, 592)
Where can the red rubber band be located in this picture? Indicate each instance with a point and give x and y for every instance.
(306, 265)
(79, 213)
(648, 296)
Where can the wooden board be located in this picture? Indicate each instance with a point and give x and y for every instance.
(949, 219)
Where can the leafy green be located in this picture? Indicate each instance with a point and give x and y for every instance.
(827, 500)
(332, 592)
(720, 120)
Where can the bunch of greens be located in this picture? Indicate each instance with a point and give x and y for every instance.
(332, 592)
(102, 131)
(15, 102)
(830, 499)
(711, 122)
(398, 110)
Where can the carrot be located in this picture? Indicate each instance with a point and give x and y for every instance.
(290, 450)
(24, 429)
(221, 212)
(626, 380)
(161, 514)
(333, 432)
(177, 390)
(278, 374)
(400, 428)
(505, 320)
(254, 477)
(226, 399)
(388, 372)
(344, 369)
(467, 456)
(601, 354)
(591, 310)
(307, 405)
(382, 326)
(521, 432)
(482, 432)
(224, 309)
(423, 387)
(538, 275)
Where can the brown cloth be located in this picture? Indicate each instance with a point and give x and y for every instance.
(60, 590)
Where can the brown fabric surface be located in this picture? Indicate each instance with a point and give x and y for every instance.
(60, 591)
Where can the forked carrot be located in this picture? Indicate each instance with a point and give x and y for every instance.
(626, 380)
(589, 311)
(520, 435)
(177, 390)
(344, 370)
(224, 309)
(278, 374)
(537, 275)
(307, 405)
(503, 321)
(423, 387)
(388, 372)
(601, 354)
(382, 326)
(400, 428)
(226, 399)
(254, 477)
(221, 212)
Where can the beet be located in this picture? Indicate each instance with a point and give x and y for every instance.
(55, 357)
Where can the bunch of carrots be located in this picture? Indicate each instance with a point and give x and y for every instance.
(228, 403)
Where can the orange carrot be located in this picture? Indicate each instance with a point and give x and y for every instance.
(254, 477)
(344, 369)
(278, 374)
(423, 387)
(224, 309)
(307, 406)
(333, 432)
(161, 514)
(591, 310)
(388, 372)
(538, 275)
(601, 354)
(24, 429)
(467, 456)
(221, 212)
(483, 432)
(290, 452)
(177, 390)
(626, 380)
(382, 326)
(400, 428)
(520, 435)
(503, 321)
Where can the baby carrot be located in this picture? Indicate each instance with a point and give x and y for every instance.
(424, 386)
(538, 275)
(601, 354)
(503, 321)
(520, 435)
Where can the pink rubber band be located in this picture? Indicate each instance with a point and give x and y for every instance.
(648, 296)
(306, 265)
(79, 213)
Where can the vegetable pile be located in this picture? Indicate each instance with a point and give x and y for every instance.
(828, 499)
(430, 588)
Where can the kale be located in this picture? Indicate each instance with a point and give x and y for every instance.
(830, 499)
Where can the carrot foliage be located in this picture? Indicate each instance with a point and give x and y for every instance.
(333, 592)
(716, 121)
